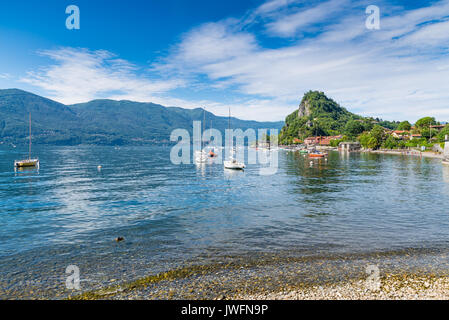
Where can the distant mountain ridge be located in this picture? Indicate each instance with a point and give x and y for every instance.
(105, 122)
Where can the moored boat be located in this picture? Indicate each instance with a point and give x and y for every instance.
(233, 164)
(27, 163)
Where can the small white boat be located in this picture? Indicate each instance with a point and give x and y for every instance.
(233, 164)
(201, 156)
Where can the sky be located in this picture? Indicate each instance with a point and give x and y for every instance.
(257, 57)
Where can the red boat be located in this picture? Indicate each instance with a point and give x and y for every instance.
(317, 155)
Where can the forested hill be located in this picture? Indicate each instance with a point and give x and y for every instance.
(319, 115)
(105, 122)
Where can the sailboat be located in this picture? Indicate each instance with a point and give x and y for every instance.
(212, 153)
(315, 153)
(201, 155)
(233, 164)
(28, 163)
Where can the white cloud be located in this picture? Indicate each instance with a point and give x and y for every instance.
(378, 73)
(436, 34)
(5, 76)
(398, 72)
(288, 25)
(80, 75)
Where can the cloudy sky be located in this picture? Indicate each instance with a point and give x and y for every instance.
(258, 57)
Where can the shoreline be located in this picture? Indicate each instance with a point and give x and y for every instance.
(390, 287)
(410, 153)
(344, 277)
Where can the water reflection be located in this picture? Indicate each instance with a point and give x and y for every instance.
(445, 173)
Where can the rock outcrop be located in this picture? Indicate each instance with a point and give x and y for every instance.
(304, 109)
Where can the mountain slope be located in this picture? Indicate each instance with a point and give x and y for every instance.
(105, 122)
(319, 115)
(15, 105)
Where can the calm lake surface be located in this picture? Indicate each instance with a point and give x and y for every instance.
(69, 213)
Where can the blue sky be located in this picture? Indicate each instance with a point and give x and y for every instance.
(258, 57)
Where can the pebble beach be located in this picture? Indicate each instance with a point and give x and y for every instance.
(392, 287)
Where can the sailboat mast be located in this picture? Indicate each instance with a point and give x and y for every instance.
(204, 126)
(29, 149)
(229, 128)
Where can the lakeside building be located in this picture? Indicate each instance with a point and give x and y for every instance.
(438, 127)
(349, 146)
(322, 141)
(415, 136)
(401, 134)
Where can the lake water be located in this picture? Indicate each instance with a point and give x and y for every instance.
(69, 213)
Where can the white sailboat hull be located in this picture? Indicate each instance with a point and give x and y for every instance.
(233, 165)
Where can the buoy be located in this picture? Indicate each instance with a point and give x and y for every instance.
(120, 239)
(99, 168)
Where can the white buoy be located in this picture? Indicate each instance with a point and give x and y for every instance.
(99, 168)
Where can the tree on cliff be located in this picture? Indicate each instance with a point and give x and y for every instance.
(404, 125)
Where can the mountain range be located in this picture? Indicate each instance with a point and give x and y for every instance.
(103, 122)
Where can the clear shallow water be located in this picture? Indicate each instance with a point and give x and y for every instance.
(70, 213)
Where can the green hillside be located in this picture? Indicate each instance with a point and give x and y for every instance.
(319, 115)
(105, 122)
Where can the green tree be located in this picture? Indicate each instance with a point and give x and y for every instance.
(443, 133)
(428, 133)
(373, 143)
(363, 139)
(390, 143)
(354, 128)
(425, 122)
(404, 125)
(378, 133)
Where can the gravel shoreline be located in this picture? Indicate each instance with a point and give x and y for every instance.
(391, 287)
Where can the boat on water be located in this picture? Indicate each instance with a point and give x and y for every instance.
(317, 155)
(27, 163)
(233, 164)
(201, 155)
(212, 154)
